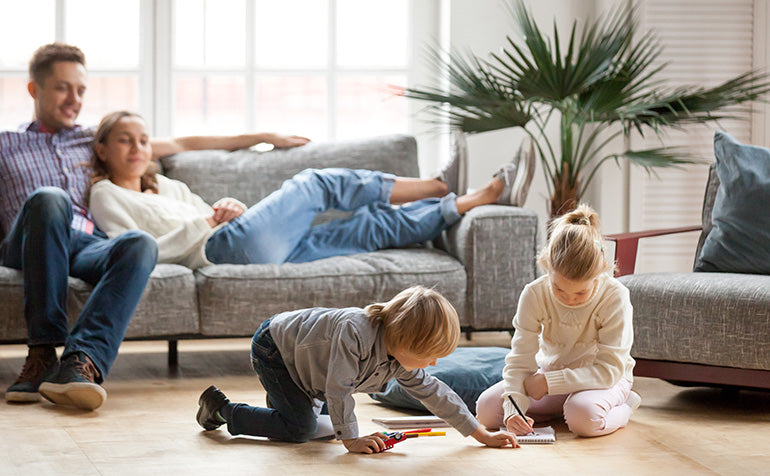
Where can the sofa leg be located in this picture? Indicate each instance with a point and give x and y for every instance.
(468, 335)
(173, 355)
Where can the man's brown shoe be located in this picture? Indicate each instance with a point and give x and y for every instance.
(41, 364)
(75, 384)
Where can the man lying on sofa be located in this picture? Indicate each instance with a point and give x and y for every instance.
(49, 236)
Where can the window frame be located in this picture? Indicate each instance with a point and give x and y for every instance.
(423, 25)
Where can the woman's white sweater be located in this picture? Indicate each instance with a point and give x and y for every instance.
(174, 216)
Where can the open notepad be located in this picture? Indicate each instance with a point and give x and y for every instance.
(540, 436)
(402, 423)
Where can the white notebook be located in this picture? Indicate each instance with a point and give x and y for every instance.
(540, 436)
(402, 423)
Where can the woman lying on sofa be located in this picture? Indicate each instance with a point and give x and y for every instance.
(126, 193)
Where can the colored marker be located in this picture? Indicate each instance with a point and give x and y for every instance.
(427, 433)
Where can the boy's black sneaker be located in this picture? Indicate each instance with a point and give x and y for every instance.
(41, 364)
(211, 401)
(75, 384)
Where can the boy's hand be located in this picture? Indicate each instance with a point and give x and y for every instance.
(373, 443)
(495, 440)
(536, 386)
(518, 426)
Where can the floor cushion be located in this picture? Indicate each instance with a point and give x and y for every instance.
(468, 371)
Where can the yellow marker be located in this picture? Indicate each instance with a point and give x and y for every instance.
(426, 433)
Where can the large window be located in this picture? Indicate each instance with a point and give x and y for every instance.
(319, 68)
(112, 51)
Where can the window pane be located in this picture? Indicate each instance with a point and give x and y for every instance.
(372, 33)
(17, 106)
(286, 39)
(292, 105)
(24, 26)
(207, 105)
(107, 32)
(367, 106)
(106, 94)
(209, 33)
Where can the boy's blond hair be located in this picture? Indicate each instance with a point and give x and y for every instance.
(419, 321)
(575, 248)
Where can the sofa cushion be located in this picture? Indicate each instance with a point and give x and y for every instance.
(235, 299)
(170, 293)
(738, 241)
(168, 306)
(468, 371)
(705, 318)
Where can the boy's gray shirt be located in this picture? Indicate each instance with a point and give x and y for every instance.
(333, 353)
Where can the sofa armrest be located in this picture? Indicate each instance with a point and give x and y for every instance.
(627, 244)
(497, 245)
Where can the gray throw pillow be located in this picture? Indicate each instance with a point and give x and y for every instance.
(739, 241)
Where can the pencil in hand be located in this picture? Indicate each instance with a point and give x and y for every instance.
(521, 413)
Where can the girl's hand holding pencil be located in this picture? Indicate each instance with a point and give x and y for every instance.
(519, 424)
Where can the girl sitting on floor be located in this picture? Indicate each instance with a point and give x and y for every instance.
(570, 352)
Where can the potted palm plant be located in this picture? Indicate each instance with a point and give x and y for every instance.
(603, 85)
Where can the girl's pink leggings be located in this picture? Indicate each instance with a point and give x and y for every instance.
(587, 413)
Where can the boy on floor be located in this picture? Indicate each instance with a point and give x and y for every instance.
(307, 357)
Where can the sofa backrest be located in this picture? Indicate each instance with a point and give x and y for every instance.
(708, 204)
(250, 176)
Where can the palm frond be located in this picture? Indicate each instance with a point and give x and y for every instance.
(661, 157)
(696, 105)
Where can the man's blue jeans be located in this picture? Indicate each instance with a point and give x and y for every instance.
(278, 229)
(47, 250)
(293, 415)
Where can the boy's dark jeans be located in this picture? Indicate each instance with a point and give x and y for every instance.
(293, 414)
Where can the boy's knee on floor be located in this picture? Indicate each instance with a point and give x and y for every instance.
(301, 434)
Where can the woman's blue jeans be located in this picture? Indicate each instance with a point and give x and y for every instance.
(47, 250)
(292, 416)
(278, 229)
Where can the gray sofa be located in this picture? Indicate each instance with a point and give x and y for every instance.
(698, 328)
(481, 264)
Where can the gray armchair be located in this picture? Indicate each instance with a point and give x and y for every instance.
(698, 328)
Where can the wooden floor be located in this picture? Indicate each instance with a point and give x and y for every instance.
(147, 426)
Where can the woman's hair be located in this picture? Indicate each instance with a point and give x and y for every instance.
(43, 59)
(99, 168)
(575, 249)
(419, 321)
